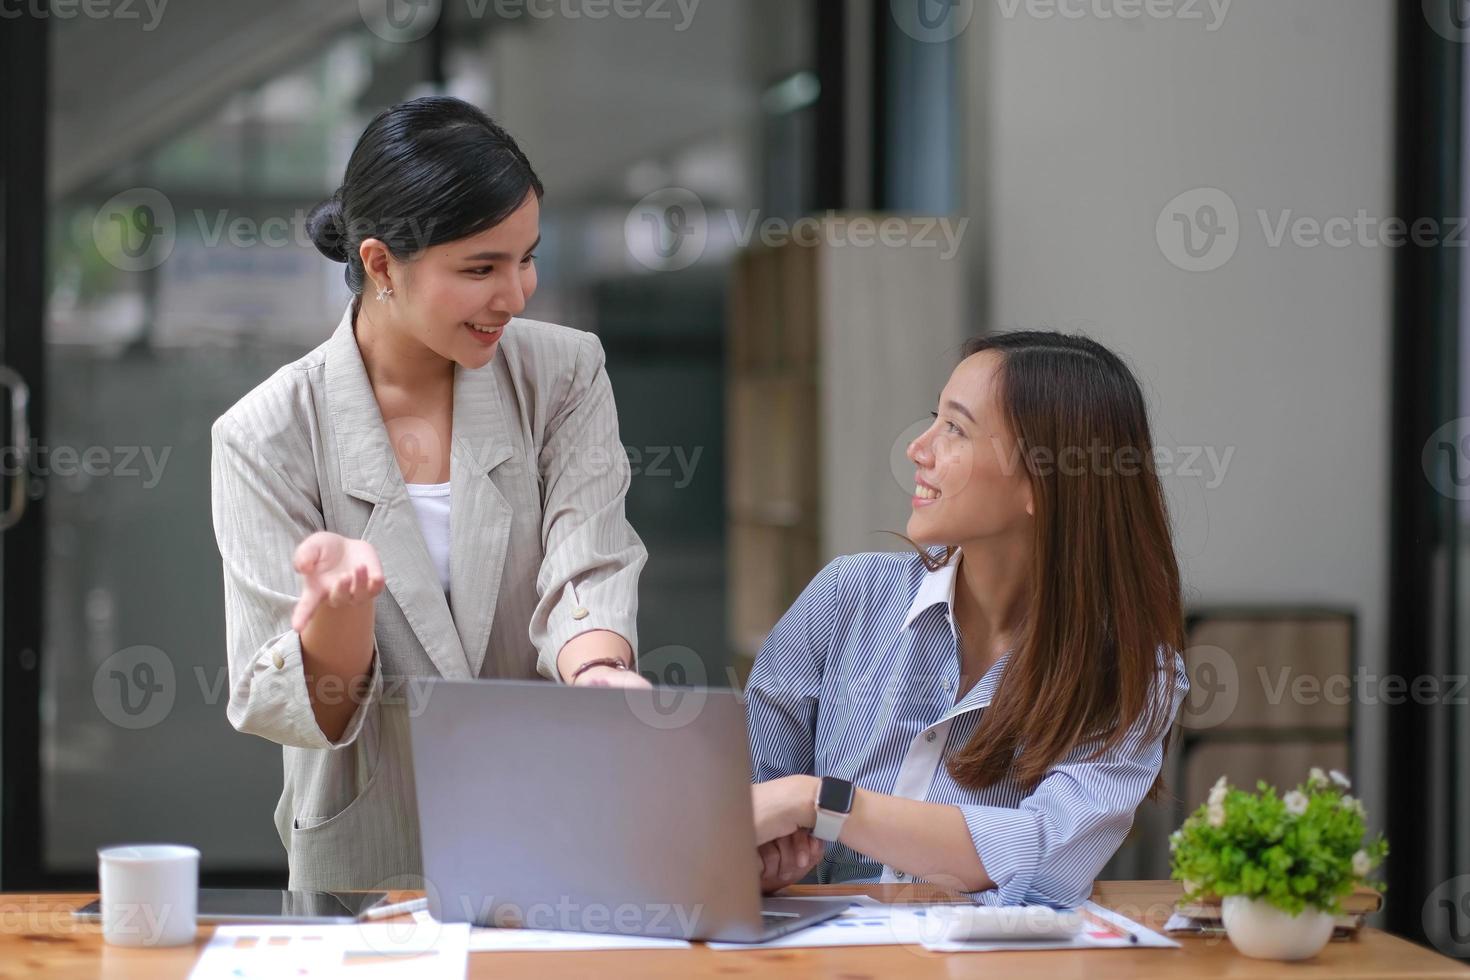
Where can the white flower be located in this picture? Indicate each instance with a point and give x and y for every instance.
(1316, 778)
(1215, 814)
(1352, 803)
(1190, 887)
(1174, 840)
(1362, 863)
(1296, 803)
(1217, 792)
(1341, 780)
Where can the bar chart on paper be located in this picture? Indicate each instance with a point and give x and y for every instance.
(373, 952)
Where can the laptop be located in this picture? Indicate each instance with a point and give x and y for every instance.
(591, 809)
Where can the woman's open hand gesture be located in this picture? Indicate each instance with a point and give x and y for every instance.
(336, 570)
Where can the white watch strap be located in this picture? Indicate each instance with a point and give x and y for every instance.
(828, 824)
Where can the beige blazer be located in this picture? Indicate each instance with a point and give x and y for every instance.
(540, 552)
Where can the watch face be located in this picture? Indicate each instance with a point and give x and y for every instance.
(836, 795)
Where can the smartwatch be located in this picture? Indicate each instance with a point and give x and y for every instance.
(834, 803)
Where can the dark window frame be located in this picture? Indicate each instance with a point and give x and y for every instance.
(24, 66)
(1424, 529)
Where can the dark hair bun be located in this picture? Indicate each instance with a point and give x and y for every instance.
(425, 172)
(327, 229)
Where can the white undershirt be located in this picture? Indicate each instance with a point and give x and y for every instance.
(431, 503)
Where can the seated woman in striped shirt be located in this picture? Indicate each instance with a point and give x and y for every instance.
(1001, 704)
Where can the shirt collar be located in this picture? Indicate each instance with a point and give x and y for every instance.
(981, 694)
(936, 587)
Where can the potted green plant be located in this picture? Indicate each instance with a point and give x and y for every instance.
(1280, 864)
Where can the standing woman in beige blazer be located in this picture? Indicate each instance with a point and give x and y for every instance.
(437, 490)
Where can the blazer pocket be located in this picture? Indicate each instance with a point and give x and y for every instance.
(366, 760)
(348, 849)
(304, 823)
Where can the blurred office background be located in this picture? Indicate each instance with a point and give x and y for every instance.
(1139, 178)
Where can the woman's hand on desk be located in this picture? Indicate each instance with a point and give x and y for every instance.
(787, 860)
(336, 570)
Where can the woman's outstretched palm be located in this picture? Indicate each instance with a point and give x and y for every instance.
(336, 570)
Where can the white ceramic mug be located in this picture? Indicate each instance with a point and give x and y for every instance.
(150, 894)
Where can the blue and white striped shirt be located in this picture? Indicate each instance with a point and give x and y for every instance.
(858, 681)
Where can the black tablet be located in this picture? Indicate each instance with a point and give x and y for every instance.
(272, 905)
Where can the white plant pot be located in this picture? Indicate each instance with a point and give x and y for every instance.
(1261, 930)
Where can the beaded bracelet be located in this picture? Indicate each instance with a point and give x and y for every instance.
(612, 662)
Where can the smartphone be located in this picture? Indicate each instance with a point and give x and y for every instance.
(271, 905)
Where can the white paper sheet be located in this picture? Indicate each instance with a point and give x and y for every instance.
(1091, 938)
(372, 951)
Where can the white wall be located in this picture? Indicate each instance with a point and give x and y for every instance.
(1081, 131)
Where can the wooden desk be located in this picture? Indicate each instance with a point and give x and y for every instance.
(39, 937)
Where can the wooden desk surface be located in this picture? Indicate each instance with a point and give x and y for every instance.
(39, 937)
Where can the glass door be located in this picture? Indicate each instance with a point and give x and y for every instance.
(178, 275)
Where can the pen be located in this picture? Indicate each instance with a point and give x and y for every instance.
(397, 908)
(1112, 927)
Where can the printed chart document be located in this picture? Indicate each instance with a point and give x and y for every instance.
(386, 951)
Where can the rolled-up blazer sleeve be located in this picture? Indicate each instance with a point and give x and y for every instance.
(592, 556)
(260, 516)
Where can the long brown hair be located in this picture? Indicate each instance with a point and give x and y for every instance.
(1104, 597)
